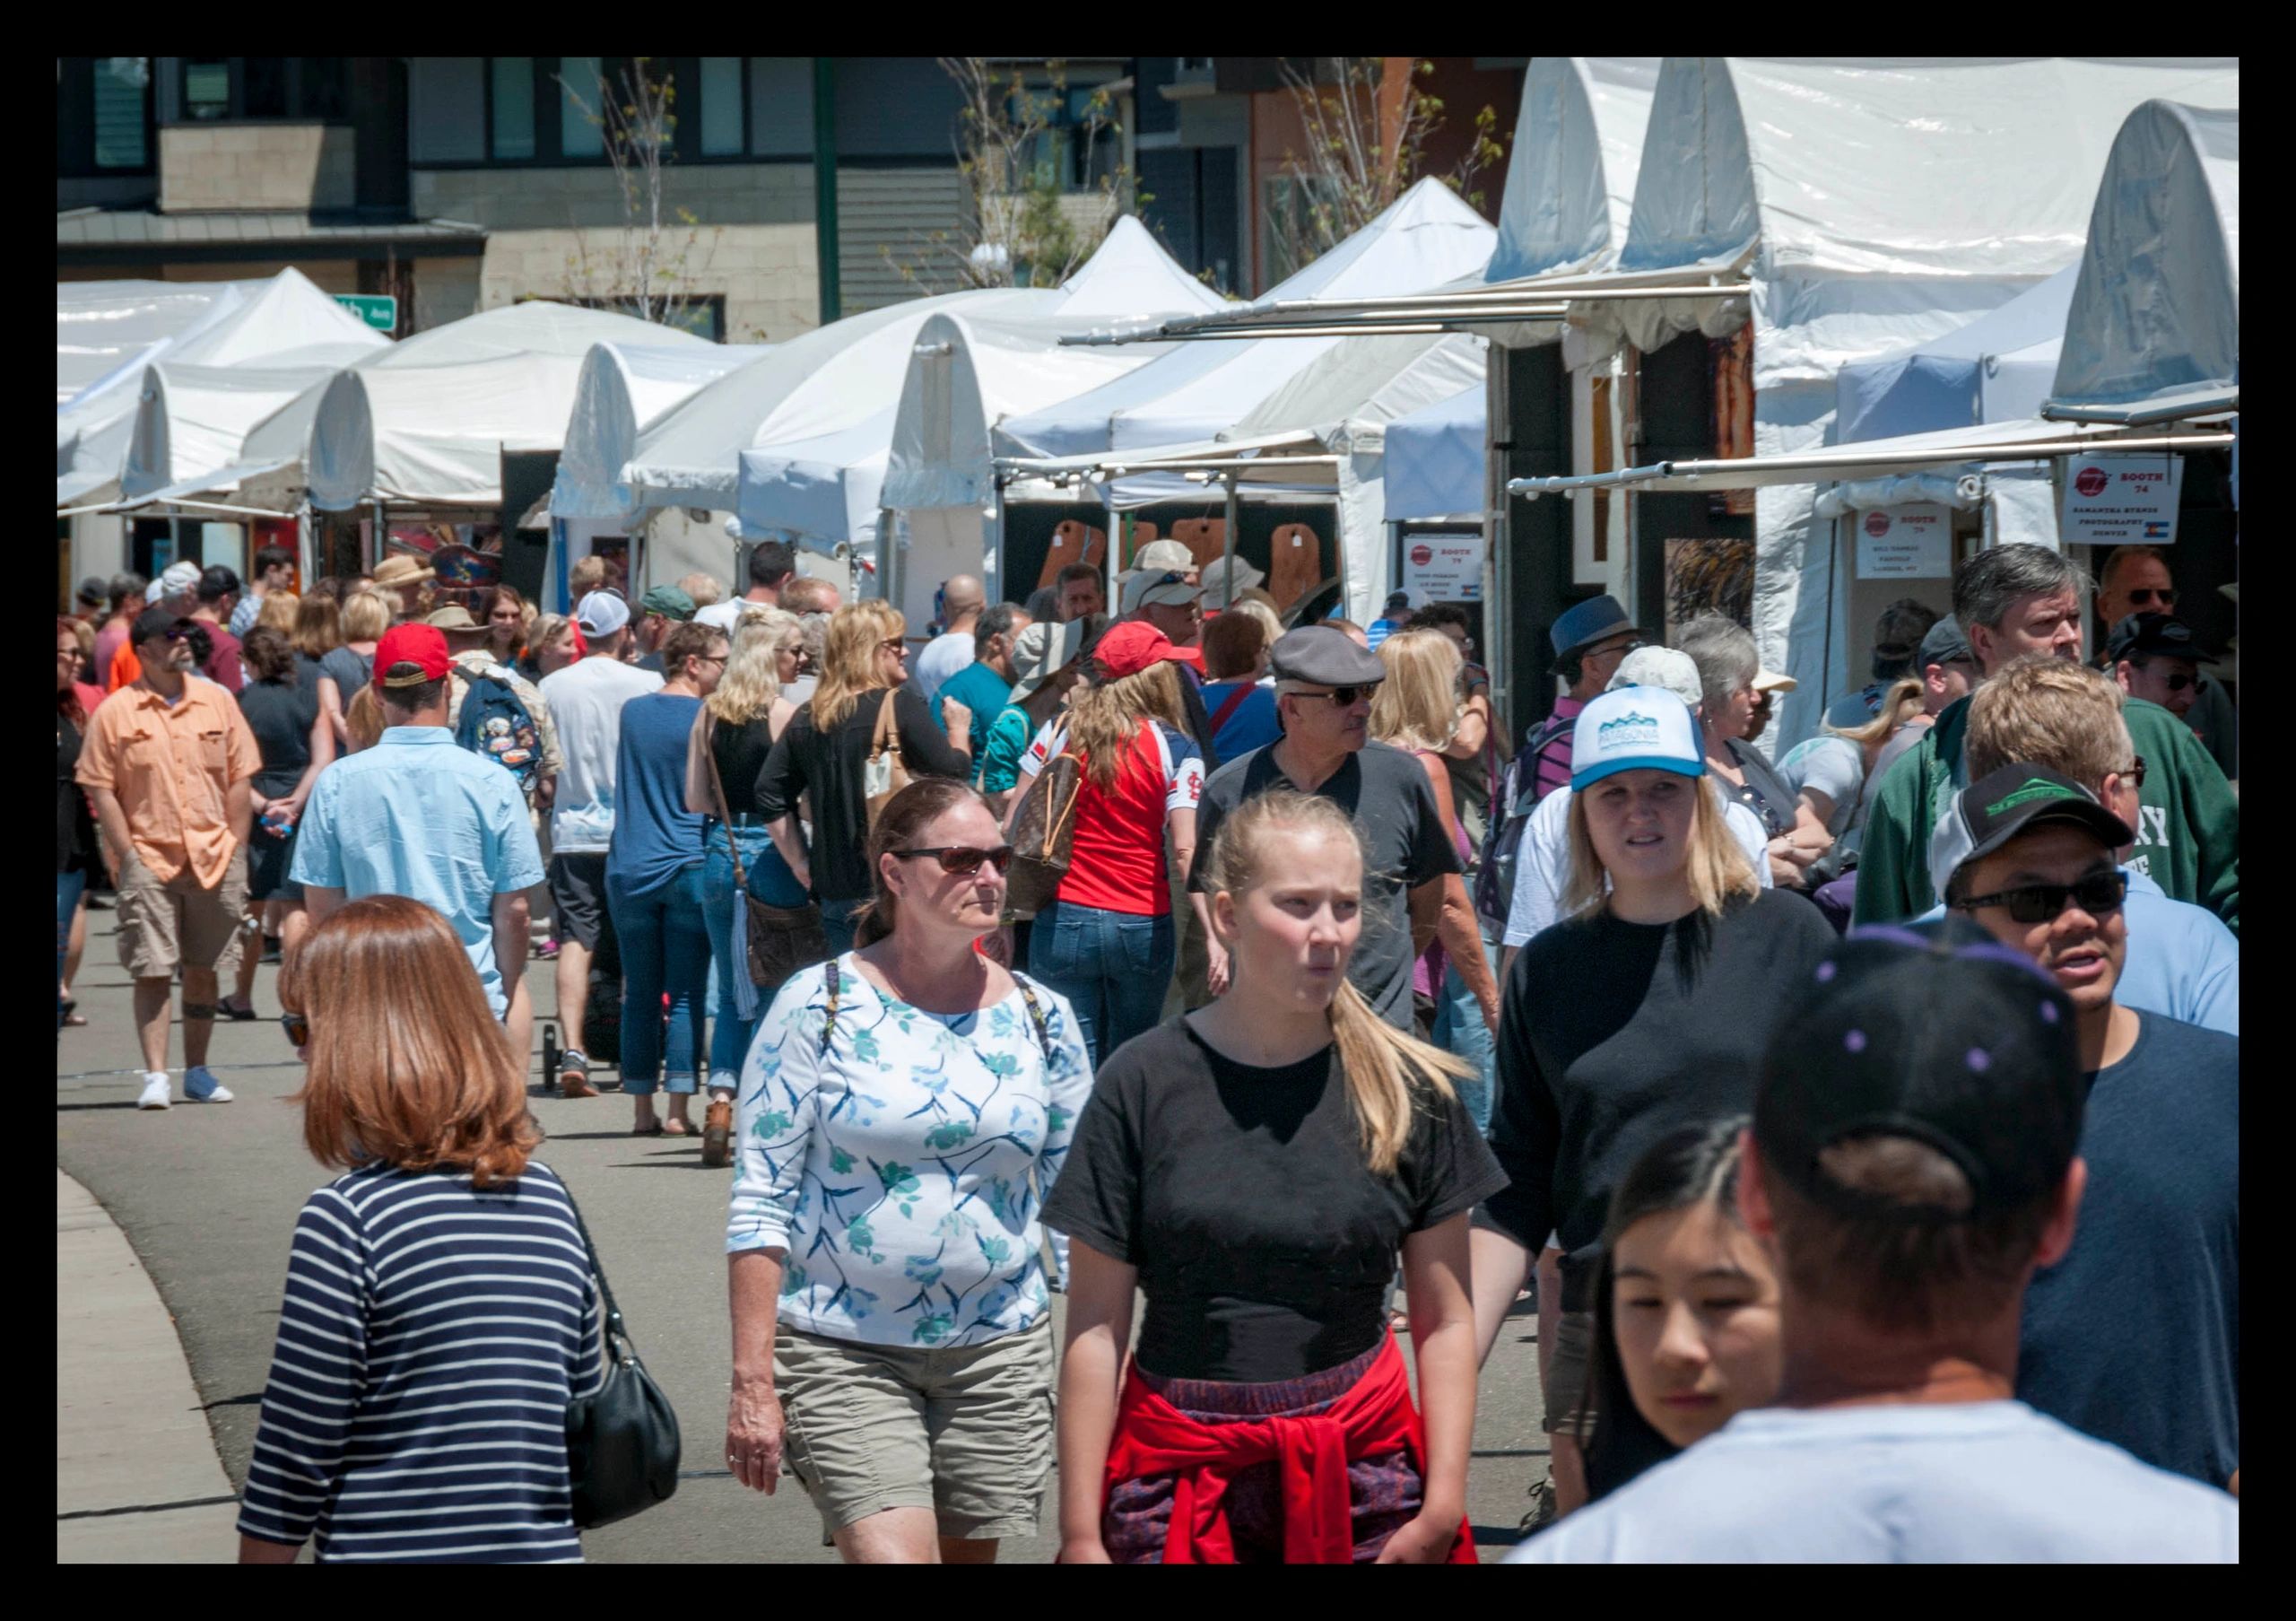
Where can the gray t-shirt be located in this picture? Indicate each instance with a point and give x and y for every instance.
(1385, 791)
(351, 669)
(1832, 766)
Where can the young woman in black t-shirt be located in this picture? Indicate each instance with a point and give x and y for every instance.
(1255, 1168)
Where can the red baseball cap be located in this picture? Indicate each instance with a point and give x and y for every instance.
(1133, 645)
(423, 646)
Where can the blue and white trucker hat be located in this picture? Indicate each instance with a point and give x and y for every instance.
(1634, 729)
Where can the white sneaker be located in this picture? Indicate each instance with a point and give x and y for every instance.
(157, 1093)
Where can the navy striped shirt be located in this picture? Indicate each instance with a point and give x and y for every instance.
(429, 1340)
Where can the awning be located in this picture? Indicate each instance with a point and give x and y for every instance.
(2031, 440)
(197, 493)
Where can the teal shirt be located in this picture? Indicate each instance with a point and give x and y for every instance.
(980, 689)
(1008, 740)
(415, 816)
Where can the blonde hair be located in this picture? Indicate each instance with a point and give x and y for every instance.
(362, 717)
(1105, 715)
(849, 657)
(1386, 1071)
(1417, 706)
(365, 616)
(752, 679)
(587, 575)
(1718, 867)
(2041, 709)
(405, 1064)
(1269, 620)
(278, 612)
(318, 625)
(1903, 701)
(703, 589)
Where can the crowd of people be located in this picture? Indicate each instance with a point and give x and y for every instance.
(1861, 1125)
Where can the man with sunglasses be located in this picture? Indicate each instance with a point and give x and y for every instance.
(1324, 684)
(2136, 580)
(168, 761)
(2156, 657)
(2135, 1336)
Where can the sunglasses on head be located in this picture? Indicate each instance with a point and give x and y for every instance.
(2098, 895)
(965, 858)
(298, 1028)
(2166, 595)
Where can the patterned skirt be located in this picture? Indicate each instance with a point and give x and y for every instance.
(1385, 1491)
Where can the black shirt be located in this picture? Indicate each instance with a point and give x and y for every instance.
(1385, 793)
(831, 765)
(1264, 1243)
(281, 714)
(2134, 1337)
(740, 753)
(75, 830)
(1612, 1033)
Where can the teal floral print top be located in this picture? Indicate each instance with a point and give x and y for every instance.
(901, 1163)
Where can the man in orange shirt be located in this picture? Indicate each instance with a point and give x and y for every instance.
(168, 760)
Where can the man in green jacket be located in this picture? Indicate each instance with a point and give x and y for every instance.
(2013, 601)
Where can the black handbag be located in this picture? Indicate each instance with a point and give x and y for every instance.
(780, 940)
(622, 1443)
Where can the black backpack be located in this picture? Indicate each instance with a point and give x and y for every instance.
(1502, 839)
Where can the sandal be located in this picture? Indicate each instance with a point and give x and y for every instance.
(547, 951)
(234, 1014)
(653, 1130)
(675, 1126)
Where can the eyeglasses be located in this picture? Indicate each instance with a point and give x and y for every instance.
(1340, 696)
(709, 658)
(893, 644)
(298, 1028)
(2135, 772)
(2166, 595)
(964, 858)
(2179, 681)
(2098, 895)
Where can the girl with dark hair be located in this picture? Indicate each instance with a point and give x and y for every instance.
(903, 1111)
(1686, 1327)
(280, 703)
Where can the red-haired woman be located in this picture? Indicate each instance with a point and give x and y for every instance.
(440, 1311)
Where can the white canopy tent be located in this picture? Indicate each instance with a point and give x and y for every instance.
(624, 389)
(192, 419)
(1437, 455)
(1996, 369)
(1875, 206)
(104, 327)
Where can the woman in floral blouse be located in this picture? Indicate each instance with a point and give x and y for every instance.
(904, 1110)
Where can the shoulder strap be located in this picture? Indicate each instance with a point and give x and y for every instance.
(1229, 704)
(725, 811)
(1036, 1013)
(615, 1327)
(881, 735)
(832, 974)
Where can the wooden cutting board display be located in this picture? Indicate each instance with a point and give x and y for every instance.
(1072, 542)
(1295, 564)
(1204, 537)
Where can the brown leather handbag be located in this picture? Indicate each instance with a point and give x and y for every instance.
(781, 939)
(1044, 831)
(883, 774)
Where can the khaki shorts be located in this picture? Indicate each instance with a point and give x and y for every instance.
(966, 1431)
(165, 926)
(1566, 1374)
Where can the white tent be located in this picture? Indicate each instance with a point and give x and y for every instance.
(1423, 238)
(1436, 457)
(1875, 206)
(1996, 369)
(426, 424)
(285, 321)
(192, 419)
(622, 389)
(1571, 177)
(103, 327)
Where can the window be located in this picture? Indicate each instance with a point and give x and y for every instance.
(581, 104)
(781, 107)
(301, 87)
(206, 87)
(511, 80)
(263, 89)
(123, 112)
(721, 107)
(703, 313)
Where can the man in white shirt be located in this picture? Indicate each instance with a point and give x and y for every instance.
(962, 597)
(584, 701)
(1912, 1162)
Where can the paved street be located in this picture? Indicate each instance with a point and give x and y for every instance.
(207, 1197)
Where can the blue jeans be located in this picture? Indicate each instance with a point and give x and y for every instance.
(1459, 1030)
(729, 1032)
(664, 947)
(837, 920)
(69, 886)
(1112, 966)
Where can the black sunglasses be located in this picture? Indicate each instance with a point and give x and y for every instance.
(1341, 696)
(964, 857)
(2179, 681)
(2097, 894)
(298, 1028)
(2166, 595)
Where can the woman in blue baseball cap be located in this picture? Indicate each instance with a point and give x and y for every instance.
(1646, 1008)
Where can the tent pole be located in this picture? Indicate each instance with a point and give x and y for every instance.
(1228, 536)
(993, 543)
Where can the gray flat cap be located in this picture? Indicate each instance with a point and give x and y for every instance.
(1325, 657)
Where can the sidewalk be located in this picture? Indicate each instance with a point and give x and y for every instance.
(137, 1480)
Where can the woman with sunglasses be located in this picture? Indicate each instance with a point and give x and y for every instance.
(653, 881)
(1106, 942)
(1727, 669)
(439, 1312)
(825, 750)
(903, 1111)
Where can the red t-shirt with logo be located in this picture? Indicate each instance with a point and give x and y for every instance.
(1116, 856)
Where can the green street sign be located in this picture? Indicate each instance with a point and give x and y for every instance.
(378, 310)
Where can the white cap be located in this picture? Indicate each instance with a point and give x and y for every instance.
(1634, 729)
(724, 615)
(1161, 555)
(1142, 589)
(1666, 669)
(602, 613)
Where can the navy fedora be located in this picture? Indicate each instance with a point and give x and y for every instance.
(1584, 623)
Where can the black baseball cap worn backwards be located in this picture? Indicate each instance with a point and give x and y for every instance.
(1937, 1032)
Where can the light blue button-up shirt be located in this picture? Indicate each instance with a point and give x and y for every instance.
(415, 816)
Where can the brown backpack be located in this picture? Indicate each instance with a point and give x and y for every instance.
(1043, 833)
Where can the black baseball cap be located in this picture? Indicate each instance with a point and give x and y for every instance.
(1933, 1032)
(94, 592)
(2163, 635)
(2020, 795)
(152, 623)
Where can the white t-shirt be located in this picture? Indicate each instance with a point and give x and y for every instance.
(1989, 1482)
(943, 658)
(1543, 861)
(586, 700)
